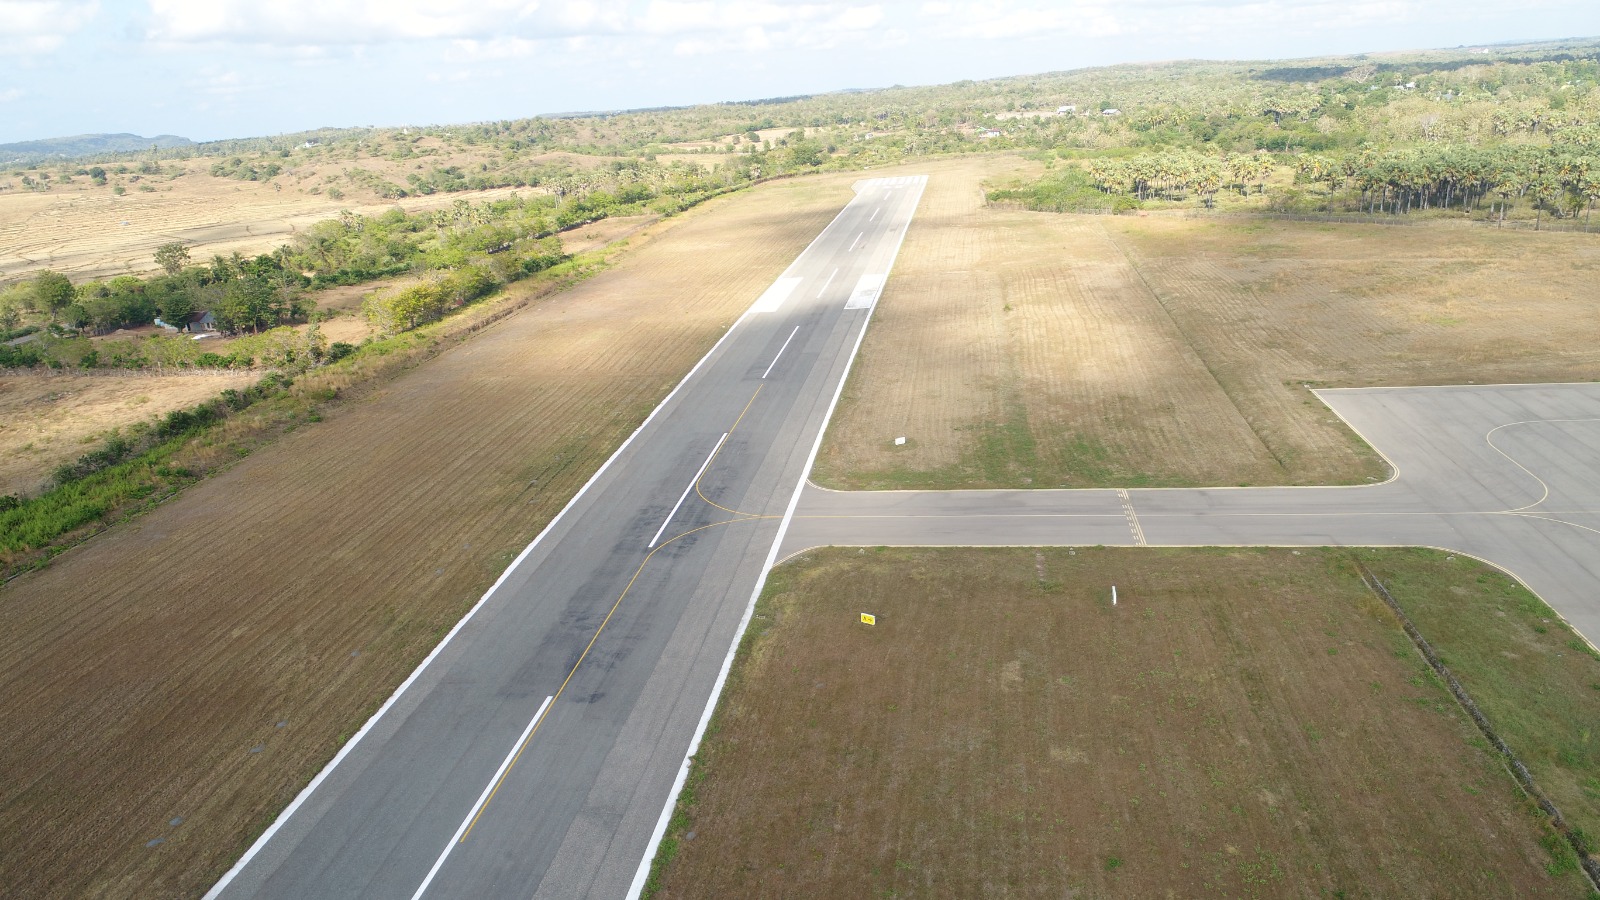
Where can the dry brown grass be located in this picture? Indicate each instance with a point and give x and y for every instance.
(1033, 349)
(79, 229)
(49, 419)
(141, 670)
(1245, 723)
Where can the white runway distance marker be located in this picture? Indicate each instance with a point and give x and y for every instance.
(866, 293)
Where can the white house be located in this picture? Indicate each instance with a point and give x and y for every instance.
(1110, 112)
(1066, 110)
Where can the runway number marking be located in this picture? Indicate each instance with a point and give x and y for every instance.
(1132, 517)
(776, 358)
(483, 799)
(692, 482)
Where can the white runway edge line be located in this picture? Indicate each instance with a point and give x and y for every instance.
(780, 353)
(487, 789)
(643, 872)
(687, 488)
(305, 794)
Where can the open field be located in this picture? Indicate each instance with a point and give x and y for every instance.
(1019, 349)
(1242, 723)
(200, 663)
(86, 231)
(49, 419)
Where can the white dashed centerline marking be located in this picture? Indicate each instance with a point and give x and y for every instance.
(826, 283)
(686, 490)
(780, 353)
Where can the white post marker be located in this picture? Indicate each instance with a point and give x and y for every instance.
(1113, 595)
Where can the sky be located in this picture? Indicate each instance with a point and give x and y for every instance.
(210, 69)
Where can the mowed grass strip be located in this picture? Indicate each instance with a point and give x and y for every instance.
(169, 686)
(1022, 349)
(1242, 723)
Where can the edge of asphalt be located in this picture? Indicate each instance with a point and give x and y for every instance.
(322, 775)
(642, 874)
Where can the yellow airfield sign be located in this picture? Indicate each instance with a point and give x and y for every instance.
(869, 619)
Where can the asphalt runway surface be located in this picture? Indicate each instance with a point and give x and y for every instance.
(1509, 474)
(534, 753)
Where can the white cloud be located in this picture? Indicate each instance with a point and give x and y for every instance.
(345, 21)
(500, 28)
(36, 27)
(10, 94)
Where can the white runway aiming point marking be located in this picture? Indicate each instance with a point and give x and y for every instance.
(866, 292)
(773, 297)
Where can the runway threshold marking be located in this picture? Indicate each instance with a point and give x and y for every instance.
(1132, 517)
(780, 352)
(686, 489)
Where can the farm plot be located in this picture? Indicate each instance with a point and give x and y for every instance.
(49, 419)
(88, 232)
(1019, 349)
(1242, 723)
(171, 684)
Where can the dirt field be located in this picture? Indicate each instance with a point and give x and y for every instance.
(88, 232)
(1033, 349)
(46, 420)
(170, 685)
(1242, 724)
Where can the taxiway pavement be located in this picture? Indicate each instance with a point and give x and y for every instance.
(1506, 473)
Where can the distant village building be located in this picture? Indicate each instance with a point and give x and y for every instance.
(989, 133)
(1110, 112)
(200, 322)
(1066, 110)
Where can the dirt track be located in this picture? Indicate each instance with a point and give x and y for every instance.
(203, 662)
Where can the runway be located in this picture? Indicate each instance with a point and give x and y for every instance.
(533, 753)
(1509, 474)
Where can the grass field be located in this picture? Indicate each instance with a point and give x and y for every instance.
(49, 419)
(1244, 723)
(86, 231)
(203, 661)
(1018, 349)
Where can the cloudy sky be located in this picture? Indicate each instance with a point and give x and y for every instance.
(209, 69)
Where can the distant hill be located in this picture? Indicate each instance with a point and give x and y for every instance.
(86, 145)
